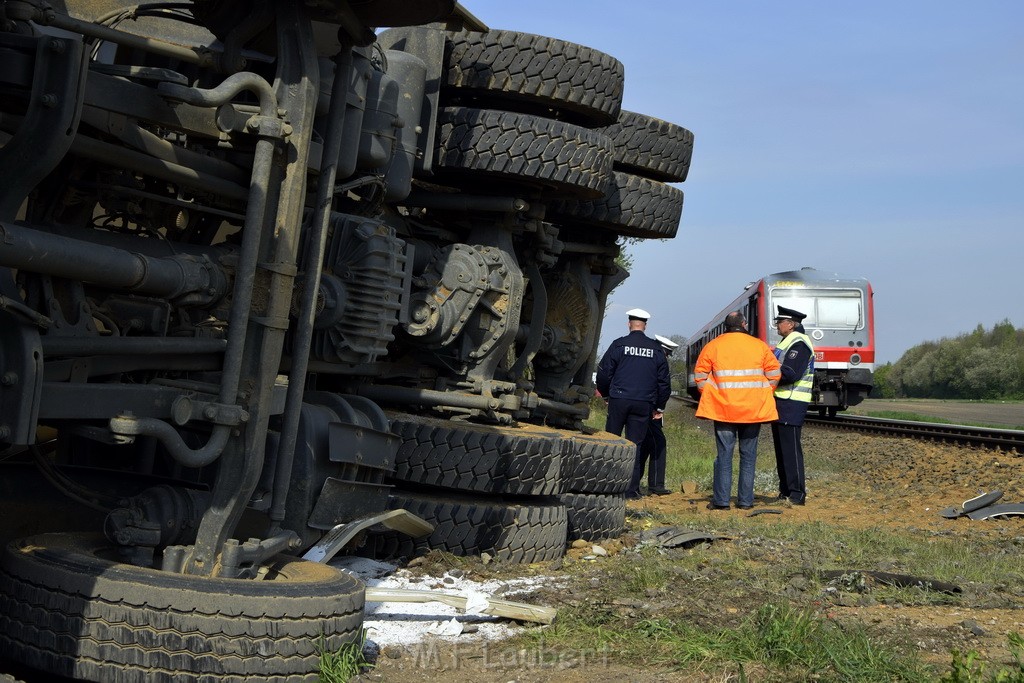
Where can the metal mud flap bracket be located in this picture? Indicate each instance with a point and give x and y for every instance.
(362, 450)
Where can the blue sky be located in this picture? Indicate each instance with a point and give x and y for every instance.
(876, 139)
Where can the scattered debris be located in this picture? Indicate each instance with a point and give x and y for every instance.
(674, 537)
(1004, 510)
(854, 578)
(764, 511)
(980, 501)
(592, 551)
(415, 610)
(445, 628)
(971, 505)
(474, 603)
(972, 626)
(851, 582)
(336, 539)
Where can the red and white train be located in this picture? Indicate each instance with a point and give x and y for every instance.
(840, 322)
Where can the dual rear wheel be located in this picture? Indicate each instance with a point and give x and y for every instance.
(516, 493)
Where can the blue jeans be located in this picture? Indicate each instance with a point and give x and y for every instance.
(726, 434)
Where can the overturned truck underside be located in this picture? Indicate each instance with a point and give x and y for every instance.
(265, 271)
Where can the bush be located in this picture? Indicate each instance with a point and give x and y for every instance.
(980, 365)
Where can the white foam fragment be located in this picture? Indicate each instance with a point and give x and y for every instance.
(404, 623)
(452, 627)
(476, 602)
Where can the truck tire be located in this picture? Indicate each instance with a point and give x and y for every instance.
(598, 463)
(67, 608)
(524, 460)
(482, 146)
(594, 517)
(651, 147)
(533, 74)
(508, 531)
(631, 206)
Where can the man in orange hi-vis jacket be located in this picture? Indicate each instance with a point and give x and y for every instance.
(736, 374)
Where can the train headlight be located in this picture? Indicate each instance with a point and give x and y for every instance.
(855, 359)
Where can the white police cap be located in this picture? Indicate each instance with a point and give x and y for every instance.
(666, 342)
(638, 313)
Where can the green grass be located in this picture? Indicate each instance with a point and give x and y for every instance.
(780, 640)
(874, 548)
(968, 667)
(733, 618)
(343, 664)
(740, 617)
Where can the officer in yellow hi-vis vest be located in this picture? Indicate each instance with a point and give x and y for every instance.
(792, 397)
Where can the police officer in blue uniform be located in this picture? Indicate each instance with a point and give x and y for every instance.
(792, 398)
(633, 375)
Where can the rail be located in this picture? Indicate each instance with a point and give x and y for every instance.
(1003, 439)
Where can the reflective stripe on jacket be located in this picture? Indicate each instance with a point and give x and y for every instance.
(736, 374)
(803, 388)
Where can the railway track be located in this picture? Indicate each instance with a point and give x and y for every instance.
(1011, 440)
(1003, 439)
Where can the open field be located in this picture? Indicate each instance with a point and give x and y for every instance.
(738, 608)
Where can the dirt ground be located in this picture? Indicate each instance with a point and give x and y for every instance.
(888, 483)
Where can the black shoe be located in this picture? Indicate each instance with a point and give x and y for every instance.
(712, 506)
(797, 502)
(745, 507)
(633, 495)
(660, 492)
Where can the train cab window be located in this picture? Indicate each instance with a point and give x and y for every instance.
(839, 313)
(828, 309)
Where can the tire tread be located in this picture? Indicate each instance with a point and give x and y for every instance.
(508, 67)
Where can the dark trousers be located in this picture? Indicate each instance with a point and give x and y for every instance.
(634, 416)
(789, 461)
(651, 453)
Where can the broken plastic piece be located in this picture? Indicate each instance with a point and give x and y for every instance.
(335, 539)
(1004, 510)
(674, 537)
(984, 500)
(971, 504)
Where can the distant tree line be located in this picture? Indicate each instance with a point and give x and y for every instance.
(983, 364)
